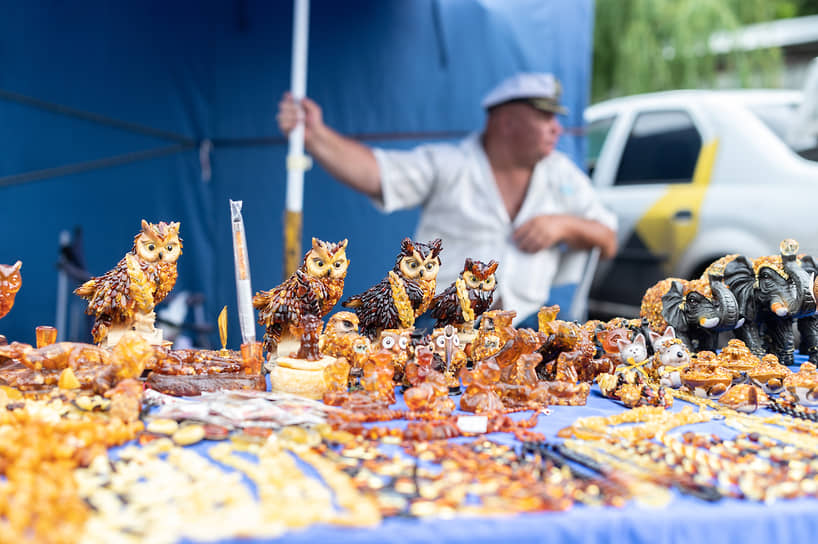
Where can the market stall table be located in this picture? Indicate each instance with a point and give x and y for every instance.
(684, 519)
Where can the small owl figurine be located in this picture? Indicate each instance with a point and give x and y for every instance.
(397, 342)
(448, 355)
(125, 296)
(314, 288)
(341, 339)
(404, 294)
(10, 283)
(468, 297)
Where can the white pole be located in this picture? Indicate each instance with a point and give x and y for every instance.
(298, 87)
(296, 161)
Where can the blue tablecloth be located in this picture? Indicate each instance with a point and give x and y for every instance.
(684, 520)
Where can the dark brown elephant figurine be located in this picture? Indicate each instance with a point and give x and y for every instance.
(698, 310)
(772, 292)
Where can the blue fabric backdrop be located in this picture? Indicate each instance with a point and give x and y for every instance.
(158, 78)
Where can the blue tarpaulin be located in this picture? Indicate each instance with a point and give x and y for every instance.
(105, 108)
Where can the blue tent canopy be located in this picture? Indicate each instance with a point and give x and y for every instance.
(105, 108)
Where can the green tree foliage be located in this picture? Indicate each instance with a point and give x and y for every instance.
(653, 45)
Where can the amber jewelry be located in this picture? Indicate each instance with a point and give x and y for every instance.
(654, 420)
(797, 433)
(635, 478)
(792, 409)
(750, 466)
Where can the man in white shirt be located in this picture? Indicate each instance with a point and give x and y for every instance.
(505, 194)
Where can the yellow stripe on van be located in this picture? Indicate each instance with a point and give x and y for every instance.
(657, 228)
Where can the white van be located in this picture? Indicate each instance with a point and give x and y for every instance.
(692, 176)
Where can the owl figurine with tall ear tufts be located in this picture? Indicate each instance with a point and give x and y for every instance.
(123, 298)
(314, 288)
(468, 297)
(404, 294)
(10, 282)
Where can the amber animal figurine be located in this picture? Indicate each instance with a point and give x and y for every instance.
(568, 339)
(10, 282)
(803, 385)
(448, 355)
(429, 391)
(468, 297)
(704, 378)
(494, 331)
(668, 362)
(407, 291)
(737, 359)
(341, 339)
(769, 374)
(306, 372)
(123, 299)
(745, 397)
(74, 365)
(480, 396)
(313, 289)
(398, 344)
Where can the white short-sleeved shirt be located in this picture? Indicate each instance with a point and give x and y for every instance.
(462, 205)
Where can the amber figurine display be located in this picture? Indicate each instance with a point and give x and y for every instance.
(123, 299)
(468, 297)
(407, 291)
(10, 283)
(313, 289)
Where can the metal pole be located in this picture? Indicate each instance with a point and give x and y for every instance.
(296, 161)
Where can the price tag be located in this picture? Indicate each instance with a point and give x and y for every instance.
(472, 424)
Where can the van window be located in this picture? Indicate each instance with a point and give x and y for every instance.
(663, 147)
(596, 133)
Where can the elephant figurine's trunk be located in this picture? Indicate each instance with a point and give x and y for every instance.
(725, 302)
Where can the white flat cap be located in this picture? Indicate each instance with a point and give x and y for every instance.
(541, 90)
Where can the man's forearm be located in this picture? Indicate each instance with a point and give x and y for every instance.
(585, 234)
(347, 160)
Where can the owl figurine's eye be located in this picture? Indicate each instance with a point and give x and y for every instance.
(338, 264)
(456, 340)
(169, 248)
(403, 342)
(151, 247)
(488, 283)
(441, 342)
(319, 263)
(388, 342)
(430, 266)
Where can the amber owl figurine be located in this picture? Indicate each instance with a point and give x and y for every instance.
(468, 297)
(124, 296)
(10, 282)
(314, 288)
(404, 294)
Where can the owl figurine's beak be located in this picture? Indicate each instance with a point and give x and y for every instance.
(160, 255)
